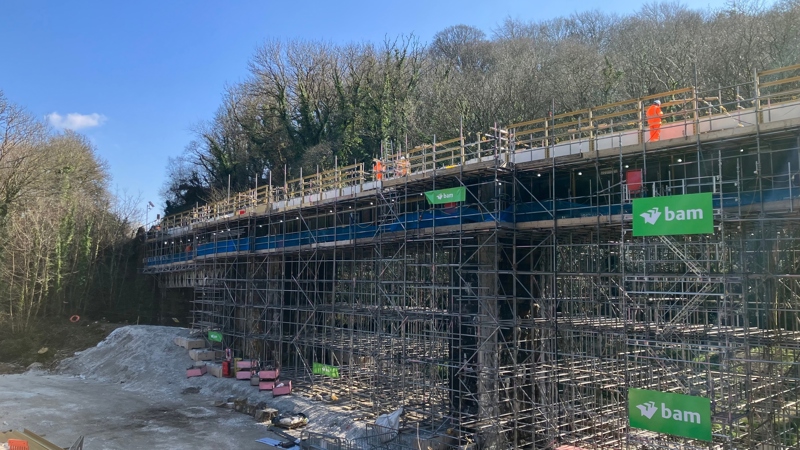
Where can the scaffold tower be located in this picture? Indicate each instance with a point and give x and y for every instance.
(498, 290)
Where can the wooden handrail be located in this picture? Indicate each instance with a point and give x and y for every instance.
(777, 82)
(428, 156)
(778, 70)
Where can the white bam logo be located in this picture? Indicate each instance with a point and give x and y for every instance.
(649, 408)
(651, 216)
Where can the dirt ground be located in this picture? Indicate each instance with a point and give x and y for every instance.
(63, 408)
(56, 339)
(130, 392)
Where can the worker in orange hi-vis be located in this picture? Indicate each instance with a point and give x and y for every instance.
(377, 169)
(654, 120)
(402, 167)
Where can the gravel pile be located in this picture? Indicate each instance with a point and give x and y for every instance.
(143, 358)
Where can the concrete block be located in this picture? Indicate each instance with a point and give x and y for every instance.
(259, 416)
(265, 415)
(204, 354)
(189, 343)
(197, 354)
(215, 369)
(195, 343)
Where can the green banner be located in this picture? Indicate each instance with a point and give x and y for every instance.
(324, 369)
(452, 195)
(215, 336)
(673, 215)
(675, 414)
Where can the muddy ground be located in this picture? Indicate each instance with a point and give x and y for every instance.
(48, 342)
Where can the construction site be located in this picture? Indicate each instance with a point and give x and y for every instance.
(494, 284)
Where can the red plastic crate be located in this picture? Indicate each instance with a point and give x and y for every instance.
(196, 371)
(269, 374)
(282, 388)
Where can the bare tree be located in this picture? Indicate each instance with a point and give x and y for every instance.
(350, 101)
(465, 47)
(20, 134)
(51, 239)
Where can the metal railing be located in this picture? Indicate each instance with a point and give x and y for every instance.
(771, 96)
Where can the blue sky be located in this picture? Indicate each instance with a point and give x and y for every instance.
(137, 76)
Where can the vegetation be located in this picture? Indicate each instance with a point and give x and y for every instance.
(307, 103)
(67, 246)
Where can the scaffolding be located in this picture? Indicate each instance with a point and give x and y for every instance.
(521, 316)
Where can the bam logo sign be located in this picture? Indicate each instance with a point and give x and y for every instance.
(649, 409)
(452, 195)
(676, 414)
(677, 214)
(651, 217)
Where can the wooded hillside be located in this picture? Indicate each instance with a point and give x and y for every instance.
(306, 103)
(67, 246)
